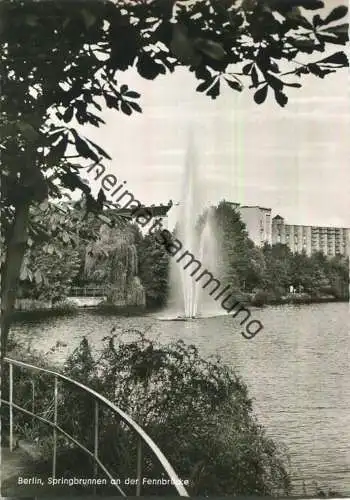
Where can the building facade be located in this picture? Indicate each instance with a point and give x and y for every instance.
(262, 228)
(330, 241)
(258, 223)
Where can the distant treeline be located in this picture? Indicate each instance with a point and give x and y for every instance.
(260, 275)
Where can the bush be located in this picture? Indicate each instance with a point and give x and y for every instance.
(260, 298)
(197, 411)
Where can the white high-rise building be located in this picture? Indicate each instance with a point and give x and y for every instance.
(258, 223)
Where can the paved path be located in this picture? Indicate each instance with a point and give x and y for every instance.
(19, 464)
(14, 464)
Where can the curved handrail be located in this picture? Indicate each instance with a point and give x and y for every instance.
(176, 482)
(70, 438)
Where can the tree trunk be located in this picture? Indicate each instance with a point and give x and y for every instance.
(15, 248)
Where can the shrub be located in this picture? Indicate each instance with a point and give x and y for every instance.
(197, 411)
(260, 298)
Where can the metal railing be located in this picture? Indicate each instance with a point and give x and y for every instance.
(142, 436)
(86, 291)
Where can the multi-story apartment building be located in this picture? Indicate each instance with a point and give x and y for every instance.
(262, 229)
(258, 223)
(328, 240)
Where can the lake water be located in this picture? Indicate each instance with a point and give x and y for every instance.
(297, 369)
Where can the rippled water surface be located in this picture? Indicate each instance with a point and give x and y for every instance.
(297, 369)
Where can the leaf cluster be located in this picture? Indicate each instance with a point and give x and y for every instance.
(196, 409)
(62, 63)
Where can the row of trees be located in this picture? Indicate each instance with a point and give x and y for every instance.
(316, 275)
(268, 272)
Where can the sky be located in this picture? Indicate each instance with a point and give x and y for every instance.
(294, 160)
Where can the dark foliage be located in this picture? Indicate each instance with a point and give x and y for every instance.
(62, 61)
(153, 271)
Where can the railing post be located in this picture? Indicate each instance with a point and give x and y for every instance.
(139, 467)
(33, 402)
(54, 454)
(95, 442)
(10, 406)
(96, 438)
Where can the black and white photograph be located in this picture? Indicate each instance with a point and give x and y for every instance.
(175, 242)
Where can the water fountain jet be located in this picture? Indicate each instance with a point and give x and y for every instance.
(196, 231)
